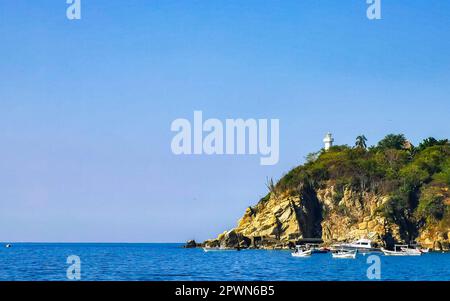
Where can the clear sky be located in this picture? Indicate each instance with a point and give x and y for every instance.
(86, 106)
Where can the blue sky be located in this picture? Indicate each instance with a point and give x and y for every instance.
(86, 106)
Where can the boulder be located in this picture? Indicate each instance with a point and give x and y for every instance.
(232, 239)
(191, 244)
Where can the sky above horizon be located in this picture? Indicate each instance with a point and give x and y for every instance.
(86, 105)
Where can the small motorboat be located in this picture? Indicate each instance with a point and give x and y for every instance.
(217, 249)
(8, 246)
(323, 250)
(393, 253)
(362, 245)
(351, 254)
(402, 250)
(316, 249)
(418, 247)
(411, 251)
(302, 252)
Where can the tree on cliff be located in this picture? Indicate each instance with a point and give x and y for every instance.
(361, 142)
(431, 141)
(392, 141)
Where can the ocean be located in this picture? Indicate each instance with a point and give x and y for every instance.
(149, 262)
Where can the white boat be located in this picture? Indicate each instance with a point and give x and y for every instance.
(393, 253)
(300, 252)
(8, 246)
(411, 251)
(402, 250)
(315, 248)
(215, 249)
(344, 254)
(362, 245)
(419, 248)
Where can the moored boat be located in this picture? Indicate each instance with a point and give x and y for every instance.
(418, 247)
(362, 245)
(402, 250)
(302, 252)
(411, 251)
(216, 249)
(351, 254)
(316, 249)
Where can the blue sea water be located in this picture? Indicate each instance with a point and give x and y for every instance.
(38, 261)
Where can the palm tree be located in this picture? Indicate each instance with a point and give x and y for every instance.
(361, 142)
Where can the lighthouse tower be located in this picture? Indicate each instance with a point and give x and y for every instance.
(328, 140)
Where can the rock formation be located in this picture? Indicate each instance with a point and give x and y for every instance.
(191, 244)
(280, 221)
(327, 210)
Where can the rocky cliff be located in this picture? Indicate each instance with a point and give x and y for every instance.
(331, 198)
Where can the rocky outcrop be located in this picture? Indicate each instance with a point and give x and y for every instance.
(281, 220)
(436, 234)
(434, 238)
(191, 244)
(355, 215)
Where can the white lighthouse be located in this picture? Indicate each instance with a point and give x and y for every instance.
(328, 140)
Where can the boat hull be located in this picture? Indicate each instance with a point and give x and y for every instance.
(400, 253)
(345, 254)
(217, 249)
(359, 249)
(302, 254)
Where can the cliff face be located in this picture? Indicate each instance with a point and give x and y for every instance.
(355, 215)
(386, 195)
(279, 221)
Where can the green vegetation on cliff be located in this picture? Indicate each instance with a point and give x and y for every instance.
(391, 165)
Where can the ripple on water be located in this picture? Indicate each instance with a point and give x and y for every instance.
(171, 262)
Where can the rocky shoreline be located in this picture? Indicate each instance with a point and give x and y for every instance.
(281, 222)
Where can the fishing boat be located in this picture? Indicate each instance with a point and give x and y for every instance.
(419, 248)
(402, 250)
(344, 253)
(302, 252)
(316, 249)
(362, 245)
(412, 251)
(216, 249)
